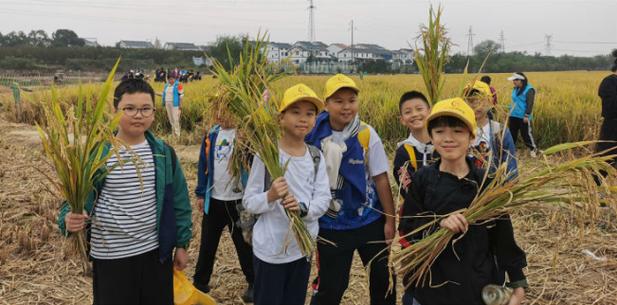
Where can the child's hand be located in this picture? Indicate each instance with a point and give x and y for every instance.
(455, 223)
(404, 178)
(518, 295)
(181, 259)
(75, 222)
(278, 190)
(290, 203)
(200, 204)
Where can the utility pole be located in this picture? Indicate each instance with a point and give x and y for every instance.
(502, 38)
(351, 28)
(548, 39)
(311, 34)
(470, 42)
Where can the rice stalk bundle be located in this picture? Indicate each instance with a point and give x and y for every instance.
(432, 57)
(243, 88)
(73, 143)
(565, 183)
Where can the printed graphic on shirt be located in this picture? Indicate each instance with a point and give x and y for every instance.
(222, 150)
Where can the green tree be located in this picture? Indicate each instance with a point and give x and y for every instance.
(226, 47)
(66, 38)
(485, 47)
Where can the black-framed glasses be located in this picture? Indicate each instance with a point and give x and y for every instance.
(132, 111)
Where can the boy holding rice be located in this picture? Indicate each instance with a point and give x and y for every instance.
(358, 174)
(483, 253)
(140, 210)
(281, 270)
(218, 194)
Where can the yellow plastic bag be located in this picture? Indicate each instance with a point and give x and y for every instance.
(186, 294)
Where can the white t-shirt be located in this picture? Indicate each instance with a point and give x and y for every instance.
(225, 187)
(272, 232)
(484, 134)
(169, 94)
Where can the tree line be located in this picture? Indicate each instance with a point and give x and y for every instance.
(63, 49)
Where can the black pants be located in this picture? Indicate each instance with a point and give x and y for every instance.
(515, 125)
(140, 279)
(335, 263)
(221, 214)
(281, 284)
(608, 132)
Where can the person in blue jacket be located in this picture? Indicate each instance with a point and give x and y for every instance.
(218, 195)
(493, 144)
(523, 97)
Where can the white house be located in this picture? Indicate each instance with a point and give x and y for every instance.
(365, 52)
(404, 56)
(134, 44)
(181, 46)
(277, 51)
(335, 48)
(302, 50)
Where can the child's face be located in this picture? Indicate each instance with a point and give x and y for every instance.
(414, 113)
(452, 143)
(138, 113)
(298, 120)
(342, 106)
(480, 106)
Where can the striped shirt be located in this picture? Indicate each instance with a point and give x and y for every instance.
(124, 221)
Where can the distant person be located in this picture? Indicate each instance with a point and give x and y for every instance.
(487, 80)
(523, 97)
(608, 131)
(173, 93)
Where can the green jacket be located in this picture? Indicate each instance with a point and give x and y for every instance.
(173, 208)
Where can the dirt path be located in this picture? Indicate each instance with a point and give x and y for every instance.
(36, 268)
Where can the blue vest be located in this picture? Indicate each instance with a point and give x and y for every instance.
(176, 94)
(519, 102)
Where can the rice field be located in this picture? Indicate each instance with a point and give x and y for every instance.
(567, 108)
(572, 255)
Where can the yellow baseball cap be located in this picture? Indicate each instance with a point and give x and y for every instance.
(300, 92)
(481, 87)
(337, 82)
(455, 107)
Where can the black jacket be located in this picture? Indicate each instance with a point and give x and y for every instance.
(486, 251)
(401, 156)
(608, 93)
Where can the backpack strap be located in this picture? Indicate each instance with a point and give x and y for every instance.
(364, 136)
(412, 156)
(315, 156)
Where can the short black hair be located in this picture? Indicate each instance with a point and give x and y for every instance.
(486, 79)
(446, 121)
(131, 86)
(409, 95)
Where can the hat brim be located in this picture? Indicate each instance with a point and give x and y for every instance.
(452, 114)
(515, 78)
(315, 101)
(356, 89)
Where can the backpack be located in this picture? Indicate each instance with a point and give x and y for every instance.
(246, 220)
(412, 156)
